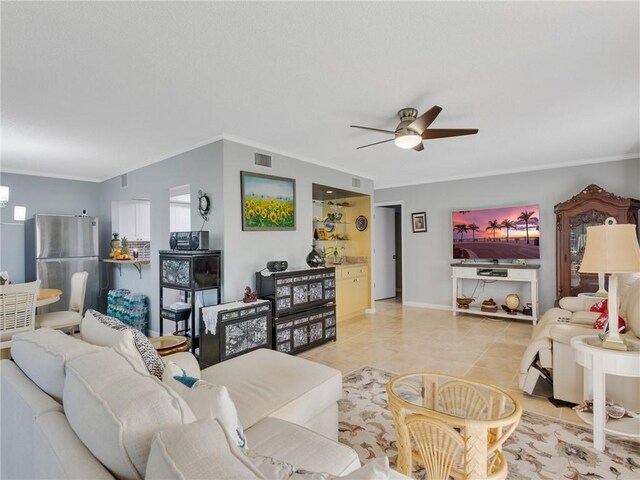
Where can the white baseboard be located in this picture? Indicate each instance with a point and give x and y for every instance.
(153, 333)
(370, 311)
(433, 306)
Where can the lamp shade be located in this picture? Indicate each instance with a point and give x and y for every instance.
(611, 248)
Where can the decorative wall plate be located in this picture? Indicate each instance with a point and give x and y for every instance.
(361, 223)
(204, 204)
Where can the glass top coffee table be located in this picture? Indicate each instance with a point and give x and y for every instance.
(454, 426)
(169, 344)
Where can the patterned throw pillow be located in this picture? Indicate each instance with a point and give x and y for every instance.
(602, 321)
(206, 400)
(128, 341)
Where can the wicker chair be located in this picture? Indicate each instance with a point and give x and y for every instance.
(17, 310)
(453, 426)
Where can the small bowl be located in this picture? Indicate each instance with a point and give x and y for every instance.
(463, 302)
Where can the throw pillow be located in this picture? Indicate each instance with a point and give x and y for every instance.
(602, 320)
(42, 355)
(115, 410)
(599, 307)
(206, 400)
(132, 344)
(201, 450)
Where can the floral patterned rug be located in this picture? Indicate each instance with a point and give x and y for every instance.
(540, 447)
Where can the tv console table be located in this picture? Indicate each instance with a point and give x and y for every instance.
(495, 272)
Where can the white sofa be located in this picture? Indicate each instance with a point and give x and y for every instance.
(286, 404)
(550, 353)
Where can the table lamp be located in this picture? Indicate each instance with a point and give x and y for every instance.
(612, 248)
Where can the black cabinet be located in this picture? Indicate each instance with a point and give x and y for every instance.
(297, 332)
(232, 329)
(304, 312)
(189, 272)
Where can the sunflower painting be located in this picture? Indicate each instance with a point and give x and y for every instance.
(268, 203)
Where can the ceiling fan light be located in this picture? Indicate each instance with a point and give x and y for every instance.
(409, 140)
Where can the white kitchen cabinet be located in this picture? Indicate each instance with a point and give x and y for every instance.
(143, 221)
(132, 219)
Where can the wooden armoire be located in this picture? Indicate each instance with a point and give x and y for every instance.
(589, 207)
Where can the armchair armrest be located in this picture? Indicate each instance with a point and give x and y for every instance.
(575, 304)
(186, 361)
(564, 333)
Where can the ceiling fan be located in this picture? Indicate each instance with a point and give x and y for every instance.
(412, 130)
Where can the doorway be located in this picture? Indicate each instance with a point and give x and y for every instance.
(387, 251)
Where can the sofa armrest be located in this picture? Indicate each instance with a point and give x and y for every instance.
(575, 304)
(564, 333)
(186, 361)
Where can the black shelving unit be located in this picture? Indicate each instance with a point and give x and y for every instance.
(303, 303)
(190, 272)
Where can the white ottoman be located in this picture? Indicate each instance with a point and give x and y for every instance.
(268, 383)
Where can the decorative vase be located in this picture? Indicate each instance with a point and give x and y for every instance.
(115, 244)
(314, 259)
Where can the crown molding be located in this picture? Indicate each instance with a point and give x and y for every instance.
(38, 173)
(507, 171)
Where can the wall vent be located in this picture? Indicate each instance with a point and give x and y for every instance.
(355, 182)
(262, 160)
(123, 180)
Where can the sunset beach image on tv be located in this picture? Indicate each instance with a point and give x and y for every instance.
(497, 233)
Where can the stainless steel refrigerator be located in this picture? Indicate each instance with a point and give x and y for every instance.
(56, 247)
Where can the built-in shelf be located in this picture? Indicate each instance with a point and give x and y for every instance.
(136, 263)
(500, 313)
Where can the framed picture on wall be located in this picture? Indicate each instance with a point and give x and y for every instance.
(268, 202)
(419, 222)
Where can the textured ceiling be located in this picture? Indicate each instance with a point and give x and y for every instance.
(94, 89)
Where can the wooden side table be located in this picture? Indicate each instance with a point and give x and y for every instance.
(456, 425)
(169, 344)
(597, 363)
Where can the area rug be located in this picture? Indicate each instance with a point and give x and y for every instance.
(540, 447)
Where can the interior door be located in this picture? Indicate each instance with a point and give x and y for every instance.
(384, 253)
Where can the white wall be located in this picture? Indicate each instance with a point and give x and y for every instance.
(248, 252)
(428, 255)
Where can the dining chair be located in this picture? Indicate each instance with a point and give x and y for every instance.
(17, 310)
(72, 317)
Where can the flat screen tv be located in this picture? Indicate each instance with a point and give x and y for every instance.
(497, 233)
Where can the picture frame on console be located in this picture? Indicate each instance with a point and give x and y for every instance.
(268, 202)
(419, 222)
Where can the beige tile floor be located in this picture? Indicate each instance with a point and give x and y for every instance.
(401, 339)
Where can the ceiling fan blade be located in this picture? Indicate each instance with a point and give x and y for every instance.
(421, 123)
(447, 132)
(419, 147)
(374, 129)
(377, 143)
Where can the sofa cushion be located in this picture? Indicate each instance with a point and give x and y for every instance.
(206, 400)
(42, 354)
(107, 331)
(115, 410)
(301, 447)
(276, 469)
(21, 403)
(59, 453)
(266, 382)
(199, 450)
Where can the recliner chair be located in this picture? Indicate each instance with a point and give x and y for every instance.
(550, 355)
